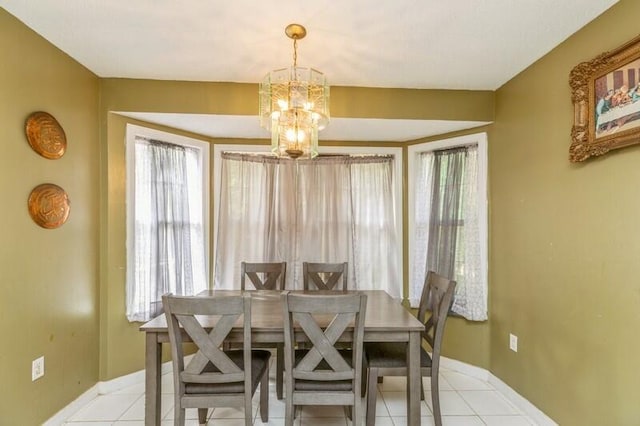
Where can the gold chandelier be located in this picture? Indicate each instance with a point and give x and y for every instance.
(294, 105)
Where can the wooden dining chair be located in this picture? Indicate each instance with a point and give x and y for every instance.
(323, 374)
(213, 377)
(264, 276)
(390, 359)
(325, 276)
(268, 276)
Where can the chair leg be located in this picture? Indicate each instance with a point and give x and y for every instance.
(178, 417)
(365, 385)
(365, 381)
(356, 412)
(248, 409)
(288, 403)
(435, 399)
(202, 416)
(179, 414)
(264, 397)
(372, 394)
(279, 370)
(421, 390)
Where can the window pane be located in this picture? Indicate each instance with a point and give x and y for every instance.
(166, 252)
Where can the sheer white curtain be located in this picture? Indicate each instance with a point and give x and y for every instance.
(168, 231)
(375, 237)
(470, 299)
(422, 212)
(256, 214)
(471, 296)
(324, 218)
(331, 209)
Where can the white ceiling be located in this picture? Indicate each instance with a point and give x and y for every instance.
(461, 44)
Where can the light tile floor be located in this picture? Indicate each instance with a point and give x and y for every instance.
(465, 401)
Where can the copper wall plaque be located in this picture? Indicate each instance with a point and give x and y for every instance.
(49, 205)
(45, 135)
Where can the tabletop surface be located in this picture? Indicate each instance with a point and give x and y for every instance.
(383, 312)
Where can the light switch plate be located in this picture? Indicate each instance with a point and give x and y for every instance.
(37, 368)
(513, 342)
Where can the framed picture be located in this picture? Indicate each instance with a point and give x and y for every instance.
(606, 98)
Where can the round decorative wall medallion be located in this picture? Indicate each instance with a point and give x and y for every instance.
(45, 135)
(49, 205)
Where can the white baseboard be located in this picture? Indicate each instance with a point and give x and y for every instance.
(100, 388)
(522, 403)
(540, 418)
(122, 382)
(464, 368)
(128, 380)
(68, 411)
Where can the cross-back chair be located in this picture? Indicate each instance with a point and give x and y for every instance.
(323, 374)
(264, 276)
(325, 276)
(268, 276)
(390, 359)
(213, 377)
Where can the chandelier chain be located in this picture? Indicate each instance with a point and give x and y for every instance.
(295, 53)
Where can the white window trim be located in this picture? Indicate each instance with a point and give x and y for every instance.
(133, 131)
(355, 150)
(481, 140)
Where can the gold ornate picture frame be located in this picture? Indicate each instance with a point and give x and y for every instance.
(606, 99)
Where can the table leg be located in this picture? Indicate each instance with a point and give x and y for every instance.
(153, 367)
(413, 379)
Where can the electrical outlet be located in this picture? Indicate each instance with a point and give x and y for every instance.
(37, 368)
(513, 342)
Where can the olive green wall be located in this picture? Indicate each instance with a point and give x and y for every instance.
(239, 99)
(565, 245)
(49, 284)
(242, 99)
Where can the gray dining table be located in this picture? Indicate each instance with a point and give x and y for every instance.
(386, 321)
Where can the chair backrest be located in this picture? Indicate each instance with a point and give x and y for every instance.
(325, 276)
(436, 299)
(181, 312)
(264, 276)
(324, 319)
